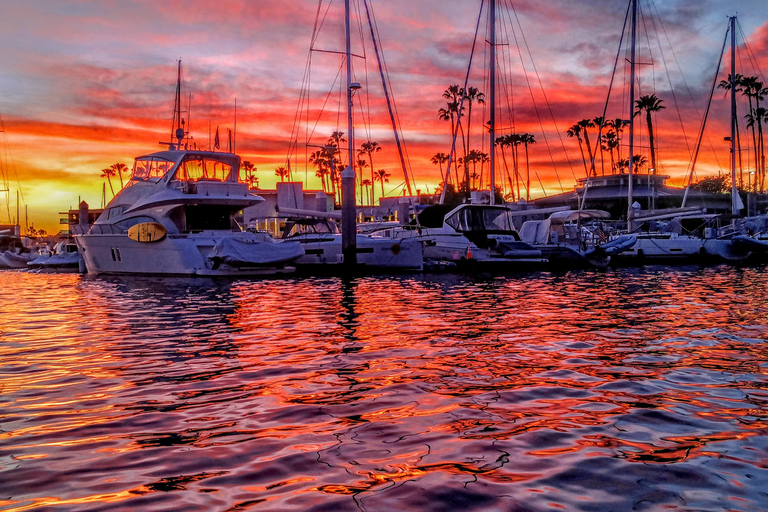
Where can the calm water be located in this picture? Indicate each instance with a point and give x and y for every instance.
(624, 390)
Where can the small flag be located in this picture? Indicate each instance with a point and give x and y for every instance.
(216, 143)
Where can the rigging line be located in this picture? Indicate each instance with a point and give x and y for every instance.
(607, 100)
(319, 22)
(752, 59)
(541, 86)
(666, 70)
(296, 128)
(15, 170)
(387, 83)
(506, 81)
(706, 114)
(461, 102)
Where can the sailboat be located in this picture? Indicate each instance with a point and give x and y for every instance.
(330, 247)
(177, 216)
(701, 241)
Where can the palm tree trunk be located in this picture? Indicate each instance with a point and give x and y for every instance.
(650, 139)
(370, 161)
(110, 186)
(589, 151)
(583, 159)
(527, 175)
(506, 169)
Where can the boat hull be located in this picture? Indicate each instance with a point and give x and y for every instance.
(372, 252)
(181, 254)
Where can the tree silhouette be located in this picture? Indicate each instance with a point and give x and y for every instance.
(575, 131)
(382, 177)
(282, 173)
(109, 173)
(369, 148)
(248, 170)
(119, 170)
(649, 103)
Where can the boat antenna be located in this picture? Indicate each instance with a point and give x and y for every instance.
(234, 131)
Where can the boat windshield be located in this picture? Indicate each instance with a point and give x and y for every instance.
(197, 168)
(481, 219)
(150, 168)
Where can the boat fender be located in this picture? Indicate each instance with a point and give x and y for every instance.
(395, 249)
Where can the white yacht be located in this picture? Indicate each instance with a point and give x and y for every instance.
(567, 239)
(321, 240)
(176, 216)
(474, 236)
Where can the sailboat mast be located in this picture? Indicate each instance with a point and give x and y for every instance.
(734, 192)
(348, 211)
(492, 122)
(387, 98)
(631, 113)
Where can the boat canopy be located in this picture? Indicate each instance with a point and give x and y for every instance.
(553, 229)
(481, 218)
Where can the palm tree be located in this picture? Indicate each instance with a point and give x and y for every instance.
(453, 94)
(109, 173)
(575, 131)
(282, 173)
(369, 148)
(650, 103)
(252, 181)
(318, 159)
(119, 169)
(754, 89)
(439, 159)
(368, 184)
(249, 169)
(504, 141)
(472, 94)
(609, 143)
(588, 123)
(526, 139)
(383, 177)
(637, 161)
(600, 123)
(617, 126)
(758, 116)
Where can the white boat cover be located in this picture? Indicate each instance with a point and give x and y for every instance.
(242, 252)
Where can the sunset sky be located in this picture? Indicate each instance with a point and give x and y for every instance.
(85, 84)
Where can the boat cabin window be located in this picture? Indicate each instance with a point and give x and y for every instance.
(115, 211)
(195, 168)
(150, 168)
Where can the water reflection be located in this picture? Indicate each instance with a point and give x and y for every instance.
(624, 389)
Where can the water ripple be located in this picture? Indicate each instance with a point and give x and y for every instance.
(632, 389)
